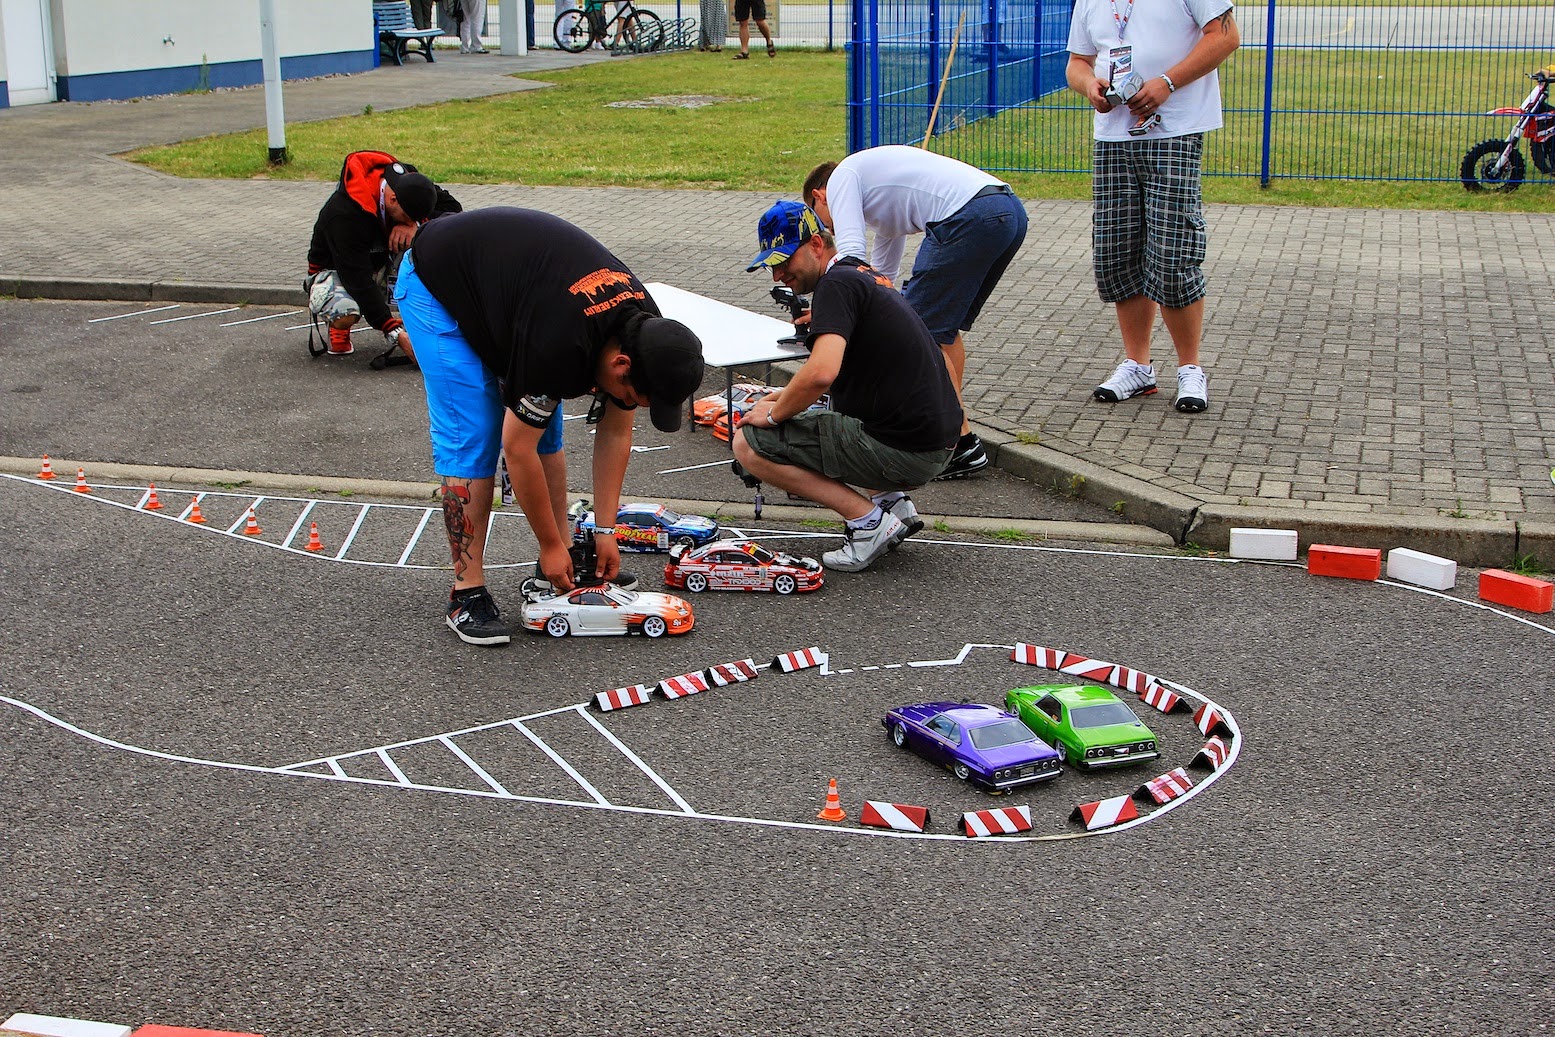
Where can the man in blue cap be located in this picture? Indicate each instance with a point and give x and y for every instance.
(895, 418)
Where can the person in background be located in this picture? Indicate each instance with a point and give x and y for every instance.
(743, 12)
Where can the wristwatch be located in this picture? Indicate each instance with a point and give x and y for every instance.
(394, 336)
(772, 421)
(604, 531)
(1171, 87)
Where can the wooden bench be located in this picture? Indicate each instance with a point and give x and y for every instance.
(397, 31)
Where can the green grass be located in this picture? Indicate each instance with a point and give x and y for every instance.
(778, 119)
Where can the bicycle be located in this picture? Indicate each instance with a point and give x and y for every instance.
(635, 30)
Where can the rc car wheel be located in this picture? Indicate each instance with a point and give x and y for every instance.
(696, 583)
(784, 584)
(962, 771)
(557, 626)
(653, 626)
(685, 542)
(898, 735)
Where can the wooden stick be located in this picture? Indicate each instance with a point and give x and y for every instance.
(928, 133)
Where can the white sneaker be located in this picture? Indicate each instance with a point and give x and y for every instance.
(860, 547)
(907, 514)
(1192, 389)
(1127, 380)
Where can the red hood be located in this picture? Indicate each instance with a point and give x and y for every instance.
(362, 176)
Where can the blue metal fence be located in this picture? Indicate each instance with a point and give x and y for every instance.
(1348, 89)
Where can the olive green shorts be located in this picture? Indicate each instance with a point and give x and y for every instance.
(838, 447)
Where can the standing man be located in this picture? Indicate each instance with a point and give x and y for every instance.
(896, 413)
(360, 232)
(743, 9)
(513, 311)
(1150, 73)
(972, 225)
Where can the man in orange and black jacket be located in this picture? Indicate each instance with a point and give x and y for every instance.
(362, 230)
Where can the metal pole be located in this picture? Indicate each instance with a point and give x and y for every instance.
(275, 113)
(1268, 97)
(514, 41)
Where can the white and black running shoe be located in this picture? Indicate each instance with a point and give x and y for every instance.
(1128, 379)
(473, 615)
(969, 458)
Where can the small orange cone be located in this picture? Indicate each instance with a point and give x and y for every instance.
(833, 811)
(152, 504)
(314, 543)
(81, 486)
(47, 471)
(251, 529)
(194, 513)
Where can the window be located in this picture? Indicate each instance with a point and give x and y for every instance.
(1050, 706)
(946, 729)
(1104, 714)
(1005, 732)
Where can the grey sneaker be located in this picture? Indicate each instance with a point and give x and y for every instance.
(1192, 389)
(969, 458)
(1127, 380)
(474, 616)
(860, 547)
(907, 514)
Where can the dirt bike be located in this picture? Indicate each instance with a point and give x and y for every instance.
(1496, 165)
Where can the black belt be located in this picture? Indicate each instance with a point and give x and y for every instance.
(993, 189)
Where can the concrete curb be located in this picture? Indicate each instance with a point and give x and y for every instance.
(728, 511)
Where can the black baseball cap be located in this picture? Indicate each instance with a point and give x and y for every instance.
(666, 365)
(415, 191)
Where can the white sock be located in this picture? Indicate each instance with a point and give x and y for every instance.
(869, 521)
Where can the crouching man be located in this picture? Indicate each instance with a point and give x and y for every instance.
(895, 419)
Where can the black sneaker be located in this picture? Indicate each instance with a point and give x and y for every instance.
(475, 618)
(969, 459)
(582, 577)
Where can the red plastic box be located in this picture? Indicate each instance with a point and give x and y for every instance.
(1348, 563)
(1520, 592)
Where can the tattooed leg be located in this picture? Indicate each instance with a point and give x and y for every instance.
(466, 514)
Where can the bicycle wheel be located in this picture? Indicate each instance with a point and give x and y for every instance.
(572, 31)
(641, 32)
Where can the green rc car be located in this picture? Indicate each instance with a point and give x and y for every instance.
(1089, 726)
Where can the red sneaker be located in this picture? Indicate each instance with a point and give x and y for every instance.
(340, 342)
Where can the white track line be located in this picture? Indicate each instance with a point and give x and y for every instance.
(254, 320)
(296, 526)
(563, 764)
(137, 313)
(252, 507)
(191, 316)
(664, 786)
(399, 775)
(351, 536)
(480, 772)
(415, 537)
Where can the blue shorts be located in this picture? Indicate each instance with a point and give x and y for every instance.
(961, 260)
(464, 399)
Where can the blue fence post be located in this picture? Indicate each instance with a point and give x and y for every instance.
(991, 49)
(857, 55)
(1036, 54)
(1268, 97)
(874, 74)
(831, 11)
(934, 48)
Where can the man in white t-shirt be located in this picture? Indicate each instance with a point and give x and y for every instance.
(972, 225)
(1149, 70)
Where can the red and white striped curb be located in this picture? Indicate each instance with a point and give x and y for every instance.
(621, 698)
(1213, 755)
(1208, 719)
(1000, 821)
(725, 674)
(1163, 700)
(1167, 787)
(900, 817)
(788, 662)
(1074, 665)
(685, 684)
(1104, 813)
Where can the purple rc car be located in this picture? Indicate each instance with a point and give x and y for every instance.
(980, 744)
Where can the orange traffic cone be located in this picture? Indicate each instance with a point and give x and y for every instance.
(251, 529)
(314, 543)
(81, 486)
(833, 811)
(47, 471)
(152, 504)
(194, 513)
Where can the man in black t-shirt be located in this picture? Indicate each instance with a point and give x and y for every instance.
(895, 417)
(513, 311)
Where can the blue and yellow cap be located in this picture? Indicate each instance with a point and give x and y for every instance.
(783, 228)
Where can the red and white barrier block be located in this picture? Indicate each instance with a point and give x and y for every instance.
(1166, 787)
(1082, 666)
(59, 1026)
(788, 662)
(1000, 821)
(621, 698)
(685, 684)
(1162, 699)
(725, 674)
(1104, 813)
(1208, 720)
(900, 817)
(1213, 755)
